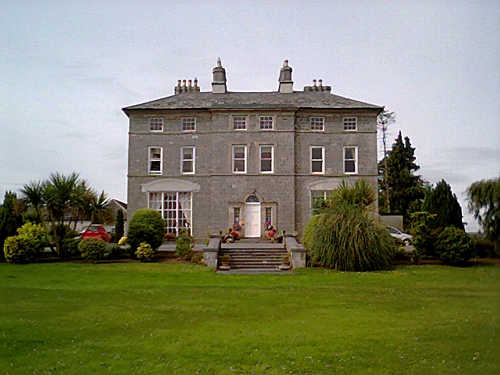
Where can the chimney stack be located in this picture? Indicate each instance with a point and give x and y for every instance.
(285, 81)
(318, 87)
(219, 79)
(182, 87)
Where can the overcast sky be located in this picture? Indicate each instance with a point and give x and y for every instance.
(68, 67)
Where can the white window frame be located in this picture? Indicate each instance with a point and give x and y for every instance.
(193, 160)
(239, 116)
(162, 209)
(194, 124)
(312, 124)
(154, 119)
(348, 121)
(151, 160)
(355, 159)
(267, 119)
(233, 159)
(272, 159)
(322, 159)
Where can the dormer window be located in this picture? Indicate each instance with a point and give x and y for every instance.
(318, 123)
(156, 124)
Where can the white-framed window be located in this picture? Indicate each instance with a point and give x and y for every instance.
(350, 123)
(317, 160)
(266, 122)
(155, 157)
(351, 159)
(239, 122)
(266, 155)
(156, 124)
(317, 123)
(175, 208)
(188, 124)
(188, 158)
(239, 159)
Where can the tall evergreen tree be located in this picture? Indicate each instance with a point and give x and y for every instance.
(403, 185)
(441, 201)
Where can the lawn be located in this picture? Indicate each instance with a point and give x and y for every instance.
(180, 319)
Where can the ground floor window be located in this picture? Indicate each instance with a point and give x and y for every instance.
(318, 199)
(236, 216)
(269, 216)
(175, 208)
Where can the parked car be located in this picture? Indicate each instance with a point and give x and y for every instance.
(96, 231)
(396, 233)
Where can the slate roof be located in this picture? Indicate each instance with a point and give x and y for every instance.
(253, 100)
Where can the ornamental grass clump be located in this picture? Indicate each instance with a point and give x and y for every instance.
(345, 236)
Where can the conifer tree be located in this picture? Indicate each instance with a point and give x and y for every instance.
(403, 185)
(441, 201)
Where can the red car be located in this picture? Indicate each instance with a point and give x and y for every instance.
(96, 231)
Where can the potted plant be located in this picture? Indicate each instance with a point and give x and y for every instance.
(225, 263)
(285, 265)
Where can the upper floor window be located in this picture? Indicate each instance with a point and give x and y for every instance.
(156, 124)
(154, 160)
(239, 122)
(350, 123)
(317, 159)
(188, 124)
(239, 159)
(266, 122)
(351, 160)
(266, 159)
(188, 160)
(318, 123)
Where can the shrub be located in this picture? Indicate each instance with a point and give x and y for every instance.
(454, 246)
(14, 250)
(424, 232)
(183, 245)
(197, 258)
(345, 237)
(119, 225)
(359, 194)
(27, 245)
(145, 253)
(70, 246)
(114, 251)
(146, 226)
(92, 248)
(483, 247)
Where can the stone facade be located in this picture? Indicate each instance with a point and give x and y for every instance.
(219, 194)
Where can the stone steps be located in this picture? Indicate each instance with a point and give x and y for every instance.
(253, 259)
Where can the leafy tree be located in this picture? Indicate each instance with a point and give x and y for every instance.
(61, 194)
(484, 203)
(424, 233)
(33, 196)
(10, 216)
(119, 227)
(441, 201)
(398, 179)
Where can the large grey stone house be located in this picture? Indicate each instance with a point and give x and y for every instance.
(206, 160)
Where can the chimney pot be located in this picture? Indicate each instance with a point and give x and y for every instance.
(320, 83)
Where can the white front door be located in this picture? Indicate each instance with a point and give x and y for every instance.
(252, 220)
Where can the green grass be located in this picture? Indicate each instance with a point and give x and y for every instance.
(180, 319)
